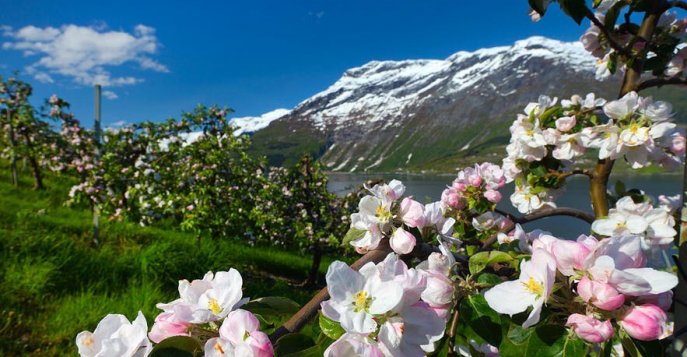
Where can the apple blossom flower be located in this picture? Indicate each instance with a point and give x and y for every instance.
(209, 299)
(116, 336)
(644, 322)
(590, 329)
(532, 288)
(631, 281)
(526, 201)
(239, 336)
(357, 296)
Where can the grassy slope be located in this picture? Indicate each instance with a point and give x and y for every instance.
(56, 283)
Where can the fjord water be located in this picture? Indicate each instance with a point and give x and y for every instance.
(428, 188)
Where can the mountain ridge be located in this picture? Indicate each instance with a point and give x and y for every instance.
(428, 115)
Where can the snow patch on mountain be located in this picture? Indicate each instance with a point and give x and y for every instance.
(245, 125)
(388, 90)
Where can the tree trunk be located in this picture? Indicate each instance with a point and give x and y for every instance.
(37, 177)
(13, 150)
(599, 181)
(314, 273)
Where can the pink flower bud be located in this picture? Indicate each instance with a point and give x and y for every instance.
(589, 328)
(166, 325)
(493, 196)
(402, 242)
(461, 186)
(601, 295)
(569, 255)
(475, 180)
(644, 322)
(412, 212)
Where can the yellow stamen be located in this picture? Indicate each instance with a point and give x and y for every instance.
(214, 306)
(534, 287)
(382, 213)
(361, 301)
(88, 341)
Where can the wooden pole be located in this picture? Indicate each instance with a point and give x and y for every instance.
(96, 131)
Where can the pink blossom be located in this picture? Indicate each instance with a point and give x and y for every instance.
(166, 325)
(569, 255)
(677, 146)
(589, 328)
(644, 322)
(601, 295)
(493, 196)
(412, 212)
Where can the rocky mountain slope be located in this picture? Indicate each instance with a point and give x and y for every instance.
(428, 114)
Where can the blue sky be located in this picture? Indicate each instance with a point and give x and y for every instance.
(253, 56)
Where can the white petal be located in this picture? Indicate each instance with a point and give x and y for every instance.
(509, 297)
(660, 281)
(342, 281)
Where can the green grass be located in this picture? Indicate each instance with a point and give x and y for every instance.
(56, 282)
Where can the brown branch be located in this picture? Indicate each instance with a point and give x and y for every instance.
(452, 332)
(549, 212)
(309, 310)
(658, 82)
(576, 172)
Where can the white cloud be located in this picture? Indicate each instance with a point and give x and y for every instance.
(110, 95)
(84, 53)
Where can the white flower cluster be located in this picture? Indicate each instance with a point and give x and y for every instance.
(550, 137)
(382, 215)
(388, 309)
(201, 303)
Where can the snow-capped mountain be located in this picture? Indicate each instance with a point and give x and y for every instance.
(244, 125)
(428, 114)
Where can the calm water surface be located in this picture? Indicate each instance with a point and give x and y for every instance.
(427, 188)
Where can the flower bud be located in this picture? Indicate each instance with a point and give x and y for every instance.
(493, 196)
(644, 322)
(601, 295)
(412, 213)
(402, 241)
(589, 328)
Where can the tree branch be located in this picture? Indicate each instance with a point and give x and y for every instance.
(309, 310)
(658, 82)
(576, 172)
(550, 212)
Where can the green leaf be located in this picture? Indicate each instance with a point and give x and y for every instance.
(272, 304)
(543, 340)
(480, 260)
(178, 346)
(489, 279)
(293, 343)
(576, 9)
(628, 345)
(330, 328)
(478, 321)
(650, 348)
(539, 6)
(351, 235)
